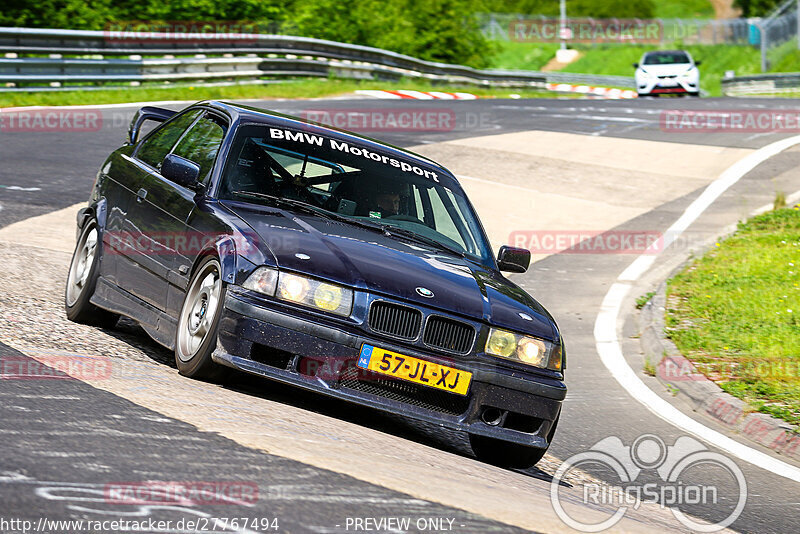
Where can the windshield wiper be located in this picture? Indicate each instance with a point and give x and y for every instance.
(288, 203)
(414, 236)
(386, 229)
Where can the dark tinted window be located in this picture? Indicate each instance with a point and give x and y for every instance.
(362, 182)
(201, 144)
(666, 58)
(157, 146)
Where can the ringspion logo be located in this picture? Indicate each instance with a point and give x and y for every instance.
(648, 470)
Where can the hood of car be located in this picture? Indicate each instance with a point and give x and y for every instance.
(667, 70)
(395, 267)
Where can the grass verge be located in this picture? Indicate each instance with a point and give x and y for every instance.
(301, 88)
(618, 60)
(735, 313)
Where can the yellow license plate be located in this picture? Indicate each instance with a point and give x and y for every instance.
(414, 370)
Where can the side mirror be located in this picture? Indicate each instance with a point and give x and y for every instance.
(635, 65)
(513, 260)
(697, 63)
(181, 171)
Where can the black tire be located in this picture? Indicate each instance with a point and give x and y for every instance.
(82, 279)
(504, 454)
(196, 334)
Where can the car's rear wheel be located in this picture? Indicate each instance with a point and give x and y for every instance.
(505, 454)
(82, 279)
(196, 337)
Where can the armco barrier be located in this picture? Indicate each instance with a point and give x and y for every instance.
(82, 56)
(762, 84)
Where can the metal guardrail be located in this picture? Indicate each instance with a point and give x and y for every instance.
(97, 57)
(762, 84)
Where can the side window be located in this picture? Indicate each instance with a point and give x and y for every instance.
(443, 220)
(154, 149)
(201, 144)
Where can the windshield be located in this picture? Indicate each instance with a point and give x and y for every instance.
(666, 58)
(364, 185)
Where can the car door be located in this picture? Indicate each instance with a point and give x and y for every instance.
(201, 145)
(162, 211)
(141, 262)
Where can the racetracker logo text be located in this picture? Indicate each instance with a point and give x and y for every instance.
(587, 31)
(385, 120)
(55, 367)
(51, 120)
(211, 32)
(733, 121)
(192, 493)
(649, 471)
(588, 241)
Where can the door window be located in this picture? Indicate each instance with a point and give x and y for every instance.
(154, 149)
(201, 144)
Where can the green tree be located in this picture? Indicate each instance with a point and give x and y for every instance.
(623, 9)
(437, 30)
(76, 14)
(756, 8)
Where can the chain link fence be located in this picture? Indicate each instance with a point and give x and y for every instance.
(504, 26)
(776, 34)
(779, 34)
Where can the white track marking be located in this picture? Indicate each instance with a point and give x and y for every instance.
(605, 328)
(18, 188)
(442, 96)
(378, 94)
(415, 94)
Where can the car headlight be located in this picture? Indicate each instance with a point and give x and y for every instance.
(301, 290)
(523, 349)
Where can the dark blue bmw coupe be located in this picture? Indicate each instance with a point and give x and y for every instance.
(250, 240)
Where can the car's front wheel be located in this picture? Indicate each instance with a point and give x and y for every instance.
(196, 337)
(82, 279)
(505, 454)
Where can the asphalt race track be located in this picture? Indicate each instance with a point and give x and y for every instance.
(65, 441)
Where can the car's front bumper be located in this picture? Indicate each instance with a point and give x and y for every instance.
(285, 345)
(679, 85)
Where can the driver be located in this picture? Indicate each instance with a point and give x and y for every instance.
(386, 201)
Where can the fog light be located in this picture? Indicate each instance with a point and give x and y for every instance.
(501, 343)
(328, 297)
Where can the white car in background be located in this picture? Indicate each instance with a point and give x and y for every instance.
(667, 72)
